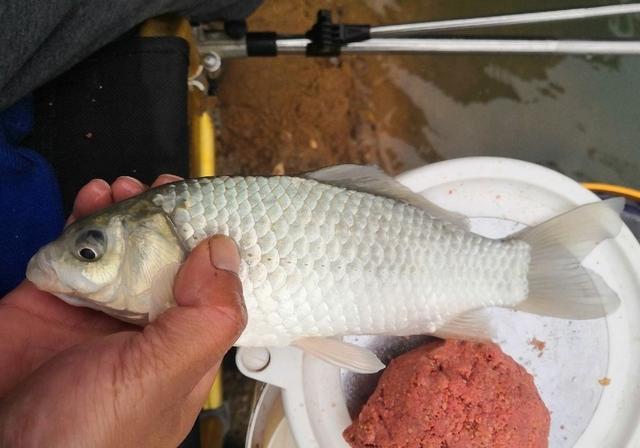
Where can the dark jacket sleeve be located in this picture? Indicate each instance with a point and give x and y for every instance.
(30, 207)
(40, 39)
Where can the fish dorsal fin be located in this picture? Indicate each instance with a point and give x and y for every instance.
(341, 354)
(371, 179)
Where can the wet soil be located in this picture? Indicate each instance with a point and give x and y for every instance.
(292, 114)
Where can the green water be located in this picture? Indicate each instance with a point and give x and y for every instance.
(576, 114)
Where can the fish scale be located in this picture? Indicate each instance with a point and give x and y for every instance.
(321, 260)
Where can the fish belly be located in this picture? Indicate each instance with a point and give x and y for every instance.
(319, 260)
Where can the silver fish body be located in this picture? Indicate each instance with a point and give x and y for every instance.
(342, 251)
(320, 260)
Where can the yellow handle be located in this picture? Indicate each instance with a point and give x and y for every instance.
(617, 190)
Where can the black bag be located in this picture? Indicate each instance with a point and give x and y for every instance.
(122, 111)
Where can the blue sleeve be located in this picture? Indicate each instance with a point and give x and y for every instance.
(30, 202)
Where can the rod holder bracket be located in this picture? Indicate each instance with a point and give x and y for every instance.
(327, 37)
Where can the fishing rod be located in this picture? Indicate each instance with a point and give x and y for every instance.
(327, 38)
(421, 28)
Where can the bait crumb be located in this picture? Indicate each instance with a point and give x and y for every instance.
(452, 394)
(604, 381)
(538, 345)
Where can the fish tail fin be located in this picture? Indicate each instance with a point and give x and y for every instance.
(559, 285)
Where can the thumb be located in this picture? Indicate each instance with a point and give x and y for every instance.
(186, 341)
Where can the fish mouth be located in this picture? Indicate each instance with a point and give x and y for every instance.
(41, 273)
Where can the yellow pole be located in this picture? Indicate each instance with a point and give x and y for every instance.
(202, 143)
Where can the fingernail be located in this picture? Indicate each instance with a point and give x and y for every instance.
(224, 254)
(102, 182)
(132, 179)
(94, 188)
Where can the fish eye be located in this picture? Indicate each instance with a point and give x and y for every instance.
(87, 253)
(90, 245)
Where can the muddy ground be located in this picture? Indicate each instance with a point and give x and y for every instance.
(291, 114)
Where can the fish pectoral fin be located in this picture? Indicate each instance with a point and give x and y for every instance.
(341, 354)
(472, 325)
(371, 179)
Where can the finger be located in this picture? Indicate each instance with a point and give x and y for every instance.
(186, 341)
(94, 196)
(125, 187)
(165, 179)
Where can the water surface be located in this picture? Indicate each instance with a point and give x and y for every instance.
(577, 114)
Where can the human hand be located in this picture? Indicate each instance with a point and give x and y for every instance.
(117, 385)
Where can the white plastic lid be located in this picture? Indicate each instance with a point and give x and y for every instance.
(579, 357)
